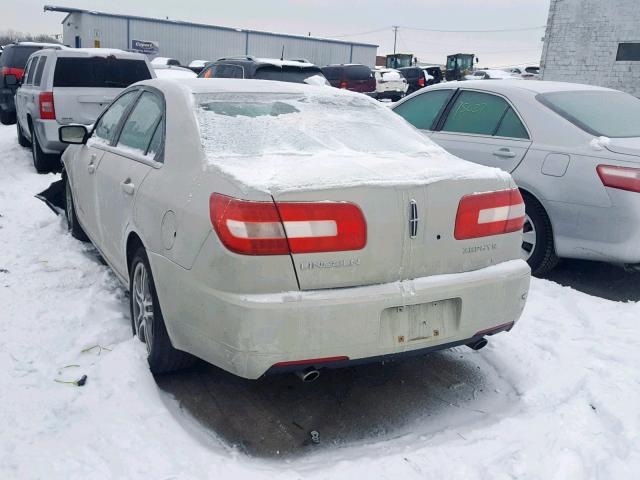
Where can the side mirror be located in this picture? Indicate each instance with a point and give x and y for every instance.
(73, 134)
(11, 80)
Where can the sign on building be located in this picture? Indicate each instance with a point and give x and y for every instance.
(147, 47)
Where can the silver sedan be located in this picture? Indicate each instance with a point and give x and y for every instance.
(268, 226)
(574, 151)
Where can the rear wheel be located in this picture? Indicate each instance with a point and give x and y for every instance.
(22, 140)
(538, 247)
(147, 320)
(42, 162)
(72, 220)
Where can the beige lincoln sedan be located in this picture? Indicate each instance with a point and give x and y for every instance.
(267, 227)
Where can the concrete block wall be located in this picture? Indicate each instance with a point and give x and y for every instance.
(581, 43)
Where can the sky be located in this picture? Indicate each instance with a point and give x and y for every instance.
(367, 21)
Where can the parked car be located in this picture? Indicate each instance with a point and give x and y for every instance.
(435, 72)
(12, 63)
(171, 71)
(165, 61)
(70, 86)
(574, 151)
(492, 74)
(265, 226)
(416, 78)
(198, 65)
(390, 84)
(351, 76)
(296, 71)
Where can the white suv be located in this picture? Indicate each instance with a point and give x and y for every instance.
(71, 85)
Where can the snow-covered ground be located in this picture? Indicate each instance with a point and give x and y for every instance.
(571, 368)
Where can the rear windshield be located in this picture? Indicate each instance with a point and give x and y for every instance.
(602, 113)
(287, 74)
(262, 124)
(357, 72)
(102, 72)
(16, 57)
(410, 73)
(332, 73)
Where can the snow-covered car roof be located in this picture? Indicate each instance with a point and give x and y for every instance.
(285, 63)
(172, 71)
(198, 63)
(233, 85)
(100, 52)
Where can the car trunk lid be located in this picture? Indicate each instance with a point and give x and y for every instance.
(625, 146)
(82, 105)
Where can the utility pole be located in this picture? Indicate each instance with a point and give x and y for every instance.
(395, 37)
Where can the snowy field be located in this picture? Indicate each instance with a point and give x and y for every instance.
(560, 396)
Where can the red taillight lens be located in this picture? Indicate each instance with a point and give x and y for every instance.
(343, 84)
(268, 228)
(421, 82)
(18, 72)
(486, 214)
(47, 108)
(622, 178)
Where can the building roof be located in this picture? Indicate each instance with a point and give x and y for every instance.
(69, 10)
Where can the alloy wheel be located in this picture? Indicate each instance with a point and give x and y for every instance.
(142, 305)
(528, 238)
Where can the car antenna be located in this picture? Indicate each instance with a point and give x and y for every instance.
(282, 56)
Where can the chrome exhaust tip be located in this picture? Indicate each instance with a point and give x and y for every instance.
(309, 375)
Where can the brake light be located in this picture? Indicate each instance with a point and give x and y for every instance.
(280, 228)
(18, 72)
(622, 178)
(486, 214)
(421, 82)
(343, 84)
(47, 108)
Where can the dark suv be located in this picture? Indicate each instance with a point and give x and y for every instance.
(294, 71)
(351, 76)
(14, 58)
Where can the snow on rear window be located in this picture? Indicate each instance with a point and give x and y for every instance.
(259, 124)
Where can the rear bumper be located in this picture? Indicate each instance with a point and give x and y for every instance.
(248, 334)
(47, 131)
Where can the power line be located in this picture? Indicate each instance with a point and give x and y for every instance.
(385, 29)
(476, 31)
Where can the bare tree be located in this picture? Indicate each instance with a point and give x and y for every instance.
(9, 36)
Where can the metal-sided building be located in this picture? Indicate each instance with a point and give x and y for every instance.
(186, 41)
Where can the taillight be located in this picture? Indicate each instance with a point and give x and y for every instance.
(47, 108)
(18, 72)
(622, 178)
(421, 82)
(492, 213)
(343, 84)
(268, 228)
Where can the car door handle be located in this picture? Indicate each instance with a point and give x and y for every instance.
(505, 153)
(128, 187)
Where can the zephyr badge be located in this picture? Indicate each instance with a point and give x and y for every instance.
(413, 218)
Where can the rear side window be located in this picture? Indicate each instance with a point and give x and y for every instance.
(108, 123)
(99, 72)
(476, 112)
(511, 126)
(358, 72)
(16, 57)
(39, 70)
(423, 110)
(141, 125)
(28, 77)
(332, 73)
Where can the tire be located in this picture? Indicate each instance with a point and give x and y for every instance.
(7, 118)
(22, 140)
(42, 162)
(538, 247)
(147, 321)
(72, 220)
